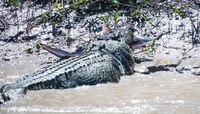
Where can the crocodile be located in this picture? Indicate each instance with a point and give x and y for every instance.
(102, 61)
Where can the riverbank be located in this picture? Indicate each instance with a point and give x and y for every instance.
(166, 78)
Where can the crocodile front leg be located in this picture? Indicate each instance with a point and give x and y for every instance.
(88, 69)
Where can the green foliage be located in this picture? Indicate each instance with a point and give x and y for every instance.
(116, 3)
(116, 16)
(141, 15)
(35, 48)
(13, 2)
(57, 6)
(56, 14)
(144, 16)
(136, 12)
(29, 50)
(79, 3)
(179, 12)
(105, 19)
(151, 47)
(45, 17)
(143, 3)
(16, 3)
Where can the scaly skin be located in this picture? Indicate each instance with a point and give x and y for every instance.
(104, 61)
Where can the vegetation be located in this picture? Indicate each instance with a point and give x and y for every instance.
(138, 11)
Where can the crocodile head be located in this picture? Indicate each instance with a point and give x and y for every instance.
(125, 34)
(135, 42)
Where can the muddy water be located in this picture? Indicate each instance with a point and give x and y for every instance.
(161, 92)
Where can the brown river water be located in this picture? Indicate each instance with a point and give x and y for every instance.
(157, 93)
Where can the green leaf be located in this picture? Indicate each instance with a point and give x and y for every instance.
(37, 47)
(151, 47)
(105, 19)
(179, 12)
(116, 16)
(116, 3)
(137, 10)
(144, 16)
(132, 14)
(29, 50)
(13, 2)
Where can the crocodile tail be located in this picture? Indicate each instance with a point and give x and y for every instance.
(7, 93)
(3, 98)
